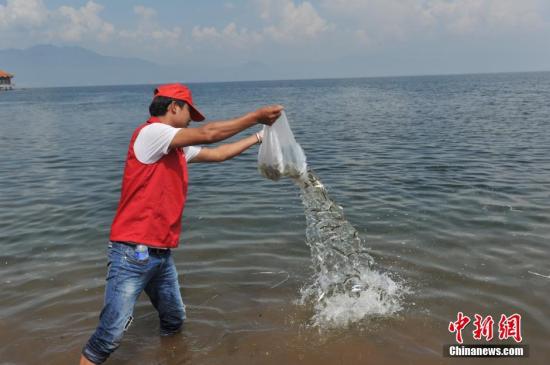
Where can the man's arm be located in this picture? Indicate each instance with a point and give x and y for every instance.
(225, 151)
(218, 131)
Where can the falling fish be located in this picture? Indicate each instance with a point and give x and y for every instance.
(337, 248)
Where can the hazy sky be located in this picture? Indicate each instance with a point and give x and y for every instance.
(325, 38)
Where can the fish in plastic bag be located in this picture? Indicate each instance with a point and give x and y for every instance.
(280, 154)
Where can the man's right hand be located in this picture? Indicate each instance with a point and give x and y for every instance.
(269, 114)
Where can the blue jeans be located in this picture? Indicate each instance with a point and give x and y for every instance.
(126, 278)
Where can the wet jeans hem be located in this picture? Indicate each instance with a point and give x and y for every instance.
(90, 356)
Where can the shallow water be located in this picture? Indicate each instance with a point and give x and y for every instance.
(446, 179)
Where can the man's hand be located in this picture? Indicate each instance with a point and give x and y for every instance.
(268, 114)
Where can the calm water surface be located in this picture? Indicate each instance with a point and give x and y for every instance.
(447, 179)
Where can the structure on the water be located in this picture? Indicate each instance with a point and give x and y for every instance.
(5, 81)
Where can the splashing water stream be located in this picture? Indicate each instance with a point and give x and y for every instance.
(345, 287)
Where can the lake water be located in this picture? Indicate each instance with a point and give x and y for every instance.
(446, 179)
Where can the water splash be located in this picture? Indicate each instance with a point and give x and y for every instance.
(345, 287)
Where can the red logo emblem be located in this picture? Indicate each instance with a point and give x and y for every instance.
(508, 327)
(461, 322)
(483, 327)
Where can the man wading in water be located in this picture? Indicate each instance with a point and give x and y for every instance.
(147, 223)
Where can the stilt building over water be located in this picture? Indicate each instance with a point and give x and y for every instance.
(5, 81)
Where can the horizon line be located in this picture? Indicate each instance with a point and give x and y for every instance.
(284, 79)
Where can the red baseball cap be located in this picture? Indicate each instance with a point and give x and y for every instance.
(180, 92)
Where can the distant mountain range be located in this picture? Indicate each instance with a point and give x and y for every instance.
(48, 65)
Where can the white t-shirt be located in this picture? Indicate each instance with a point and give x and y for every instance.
(153, 142)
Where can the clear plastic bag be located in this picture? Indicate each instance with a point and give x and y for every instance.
(280, 154)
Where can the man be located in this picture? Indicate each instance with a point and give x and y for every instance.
(147, 223)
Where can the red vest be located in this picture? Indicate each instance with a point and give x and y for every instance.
(152, 199)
